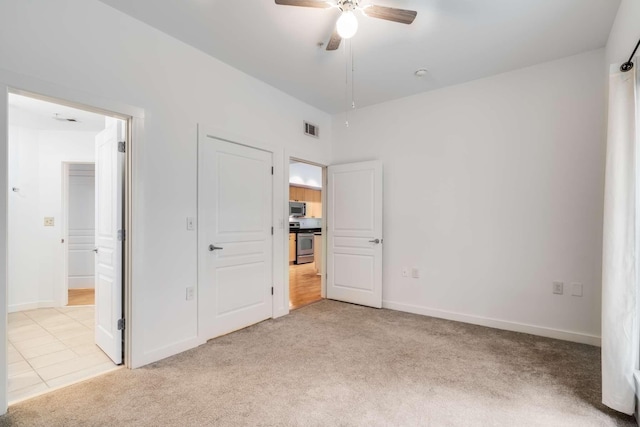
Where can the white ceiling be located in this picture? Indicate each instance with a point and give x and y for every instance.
(36, 114)
(456, 40)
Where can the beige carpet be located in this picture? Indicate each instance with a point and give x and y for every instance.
(339, 364)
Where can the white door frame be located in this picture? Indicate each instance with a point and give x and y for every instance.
(64, 295)
(323, 199)
(11, 82)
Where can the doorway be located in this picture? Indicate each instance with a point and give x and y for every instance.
(66, 193)
(79, 232)
(305, 233)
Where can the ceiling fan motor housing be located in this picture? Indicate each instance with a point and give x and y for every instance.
(348, 5)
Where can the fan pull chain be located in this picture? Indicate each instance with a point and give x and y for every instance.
(348, 57)
(346, 82)
(353, 84)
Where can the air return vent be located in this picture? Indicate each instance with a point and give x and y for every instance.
(311, 130)
(57, 116)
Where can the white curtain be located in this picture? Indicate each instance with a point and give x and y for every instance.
(620, 336)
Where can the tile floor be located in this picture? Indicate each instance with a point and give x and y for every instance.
(52, 347)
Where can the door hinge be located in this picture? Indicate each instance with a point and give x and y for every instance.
(272, 290)
(272, 231)
(122, 235)
(121, 324)
(271, 170)
(122, 146)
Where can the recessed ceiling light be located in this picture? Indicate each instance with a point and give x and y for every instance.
(421, 72)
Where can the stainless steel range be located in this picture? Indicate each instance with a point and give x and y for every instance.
(305, 228)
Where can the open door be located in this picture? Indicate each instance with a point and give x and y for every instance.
(354, 228)
(109, 239)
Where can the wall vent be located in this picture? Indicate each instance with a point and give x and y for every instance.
(311, 130)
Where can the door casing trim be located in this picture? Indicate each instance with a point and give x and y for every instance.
(11, 82)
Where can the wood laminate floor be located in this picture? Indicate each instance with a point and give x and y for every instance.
(81, 296)
(304, 285)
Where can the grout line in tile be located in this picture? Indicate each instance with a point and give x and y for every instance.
(54, 336)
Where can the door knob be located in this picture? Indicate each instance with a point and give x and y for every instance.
(376, 241)
(95, 250)
(214, 248)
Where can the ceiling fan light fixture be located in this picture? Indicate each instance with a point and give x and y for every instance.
(347, 24)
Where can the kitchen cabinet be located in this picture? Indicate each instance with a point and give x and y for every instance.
(317, 253)
(296, 193)
(292, 247)
(314, 203)
(312, 197)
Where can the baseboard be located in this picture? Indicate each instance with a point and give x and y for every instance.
(88, 282)
(496, 323)
(164, 352)
(282, 311)
(31, 306)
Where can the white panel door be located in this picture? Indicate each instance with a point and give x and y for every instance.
(109, 207)
(81, 226)
(354, 225)
(234, 238)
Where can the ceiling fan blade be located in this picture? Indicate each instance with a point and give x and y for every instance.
(334, 41)
(390, 14)
(305, 3)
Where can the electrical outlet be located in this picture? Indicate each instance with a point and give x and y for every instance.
(190, 223)
(576, 289)
(190, 293)
(415, 273)
(48, 221)
(558, 288)
(405, 272)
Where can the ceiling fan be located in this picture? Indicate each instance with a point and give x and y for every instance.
(347, 24)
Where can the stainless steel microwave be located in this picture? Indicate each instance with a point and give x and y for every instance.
(297, 209)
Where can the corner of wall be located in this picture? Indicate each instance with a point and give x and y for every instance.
(4, 102)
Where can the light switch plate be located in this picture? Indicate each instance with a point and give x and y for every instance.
(576, 289)
(415, 273)
(49, 221)
(190, 293)
(558, 288)
(190, 223)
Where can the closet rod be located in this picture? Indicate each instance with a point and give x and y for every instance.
(627, 66)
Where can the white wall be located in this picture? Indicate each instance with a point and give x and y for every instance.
(96, 50)
(24, 220)
(305, 174)
(493, 189)
(36, 276)
(625, 32)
